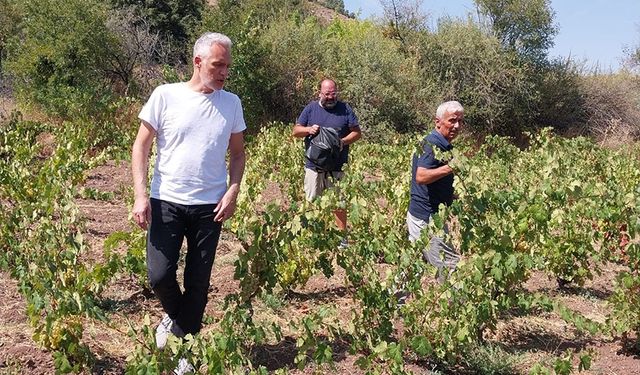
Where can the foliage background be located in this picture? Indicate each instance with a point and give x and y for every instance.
(87, 66)
(393, 71)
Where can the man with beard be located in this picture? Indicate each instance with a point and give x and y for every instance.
(329, 112)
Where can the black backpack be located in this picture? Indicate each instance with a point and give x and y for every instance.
(324, 150)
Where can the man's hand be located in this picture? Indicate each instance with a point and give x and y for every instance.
(313, 129)
(454, 164)
(141, 212)
(227, 205)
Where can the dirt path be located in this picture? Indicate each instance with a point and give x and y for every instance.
(18, 353)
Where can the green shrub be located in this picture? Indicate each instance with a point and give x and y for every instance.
(467, 64)
(490, 359)
(9, 18)
(76, 57)
(58, 60)
(281, 53)
(383, 85)
(251, 76)
(561, 104)
(294, 60)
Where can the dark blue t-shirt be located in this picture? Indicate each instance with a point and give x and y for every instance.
(341, 117)
(425, 199)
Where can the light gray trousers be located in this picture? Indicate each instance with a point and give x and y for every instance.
(439, 253)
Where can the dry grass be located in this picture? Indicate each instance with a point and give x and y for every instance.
(612, 106)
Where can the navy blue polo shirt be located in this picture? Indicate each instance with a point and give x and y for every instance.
(341, 117)
(426, 198)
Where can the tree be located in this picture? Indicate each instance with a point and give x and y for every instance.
(467, 64)
(635, 57)
(404, 19)
(9, 20)
(251, 77)
(524, 26)
(59, 59)
(174, 20)
(129, 62)
(337, 5)
(632, 58)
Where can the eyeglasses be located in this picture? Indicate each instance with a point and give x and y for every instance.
(332, 93)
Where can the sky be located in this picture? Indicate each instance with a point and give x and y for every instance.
(591, 31)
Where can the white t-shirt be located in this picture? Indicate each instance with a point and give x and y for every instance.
(193, 131)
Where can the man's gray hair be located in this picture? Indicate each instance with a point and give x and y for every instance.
(451, 107)
(203, 45)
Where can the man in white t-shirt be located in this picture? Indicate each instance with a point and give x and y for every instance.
(194, 124)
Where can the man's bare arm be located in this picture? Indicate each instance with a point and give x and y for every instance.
(237, 160)
(429, 175)
(139, 169)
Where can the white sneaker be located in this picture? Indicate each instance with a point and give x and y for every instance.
(344, 243)
(184, 367)
(401, 298)
(163, 331)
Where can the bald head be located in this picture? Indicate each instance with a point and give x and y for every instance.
(328, 93)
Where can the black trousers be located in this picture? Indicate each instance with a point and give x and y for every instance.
(170, 224)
